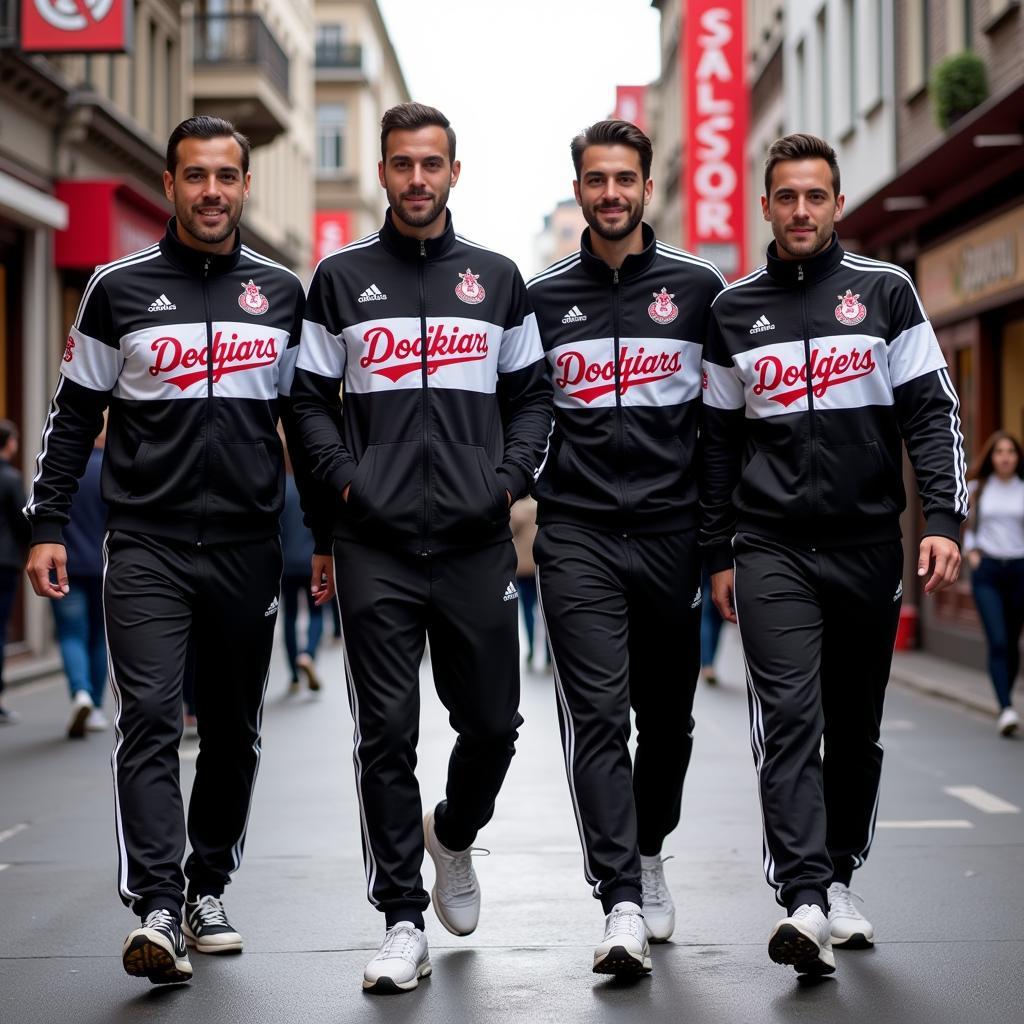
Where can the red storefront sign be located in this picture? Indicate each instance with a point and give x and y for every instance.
(630, 105)
(106, 220)
(715, 132)
(331, 230)
(76, 26)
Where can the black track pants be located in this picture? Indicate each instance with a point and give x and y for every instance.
(818, 630)
(159, 595)
(623, 620)
(390, 604)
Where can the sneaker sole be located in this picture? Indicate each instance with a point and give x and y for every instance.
(390, 987)
(618, 960)
(229, 945)
(789, 946)
(1008, 730)
(435, 902)
(856, 941)
(147, 959)
(76, 730)
(312, 679)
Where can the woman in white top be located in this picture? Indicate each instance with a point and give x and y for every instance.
(994, 544)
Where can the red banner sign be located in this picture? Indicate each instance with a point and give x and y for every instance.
(630, 105)
(76, 26)
(331, 230)
(715, 132)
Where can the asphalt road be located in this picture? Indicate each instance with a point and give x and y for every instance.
(942, 887)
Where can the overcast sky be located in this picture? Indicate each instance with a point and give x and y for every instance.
(517, 79)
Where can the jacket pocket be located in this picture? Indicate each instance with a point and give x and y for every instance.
(242, 478)
(468, 498)
(774, 481)
(166, 474)
(385, 490)
(854, 481)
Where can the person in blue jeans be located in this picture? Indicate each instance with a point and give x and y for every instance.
(994, 546)
(14, 537)
(710, 630)
(79, 616)
(297, 548)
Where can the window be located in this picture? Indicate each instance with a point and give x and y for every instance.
(330, 139)
(329, 42)
(801, 87)
(824, 70)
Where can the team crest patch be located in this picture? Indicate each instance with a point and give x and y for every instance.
(663, 310)
(850, 311)
(251, 300)
(469, 288)
(69, 349)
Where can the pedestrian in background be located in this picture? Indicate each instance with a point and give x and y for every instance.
(994, 545)
(710, 630)
(14, 538)
(297, 549)
(819, 367)
(524, 530)
(79, 616)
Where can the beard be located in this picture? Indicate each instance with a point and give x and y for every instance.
(821, 240)
(189, 220)
(423, 218)
(635, 214)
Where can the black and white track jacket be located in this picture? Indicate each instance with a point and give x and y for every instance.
(815, 371)
(431, 435)
(624, 351)
(194, 355)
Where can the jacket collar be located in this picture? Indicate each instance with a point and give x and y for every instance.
(633, 265)
(194, 261)
(817, 267)
(408, 248)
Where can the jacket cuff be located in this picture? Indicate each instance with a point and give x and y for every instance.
(47, 531)
(943, 524)
(323, 542)
(341, 476)
(718, 558)
(515, 480)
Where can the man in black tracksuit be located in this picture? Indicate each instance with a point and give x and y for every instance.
(446, 416)
(818, 367)
(623, 322)
(191, 345)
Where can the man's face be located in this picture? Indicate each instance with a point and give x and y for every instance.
(208, 190)
(418, 175)
(802, 208)
(611, 190)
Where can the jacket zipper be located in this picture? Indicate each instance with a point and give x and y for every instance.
(812, 430)
(425, 403)
(620, 444)
(209, 402)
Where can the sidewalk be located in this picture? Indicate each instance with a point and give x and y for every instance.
(948, 680)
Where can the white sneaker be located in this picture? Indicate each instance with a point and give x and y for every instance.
(97, 721)
(1008, 722)
(803, 940)
(659, 910)
(849, 927)
(456, 892)
(80, 708)
(400, 962)
(624, 950)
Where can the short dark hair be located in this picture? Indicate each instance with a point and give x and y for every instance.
(203, 127)
(613, 132)
(7, 431)
(800, 146)
(408, 117)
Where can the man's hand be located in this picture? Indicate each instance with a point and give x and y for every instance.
(723, 592)
(42, 558)
(321, 584)
(941, 555)
(974, 558)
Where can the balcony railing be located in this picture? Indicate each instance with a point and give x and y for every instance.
(347, 56)
(240, 40)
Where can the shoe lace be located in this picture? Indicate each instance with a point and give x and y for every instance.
(630, 921)
(398, 944)
(460, 879)
(841, 903)
(653, 885)
(161, 920)
(210, 911)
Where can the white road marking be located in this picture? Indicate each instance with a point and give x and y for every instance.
(982, 799)
(927, 823)
(12, 831)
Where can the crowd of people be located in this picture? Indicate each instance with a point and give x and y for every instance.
(665, 465)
